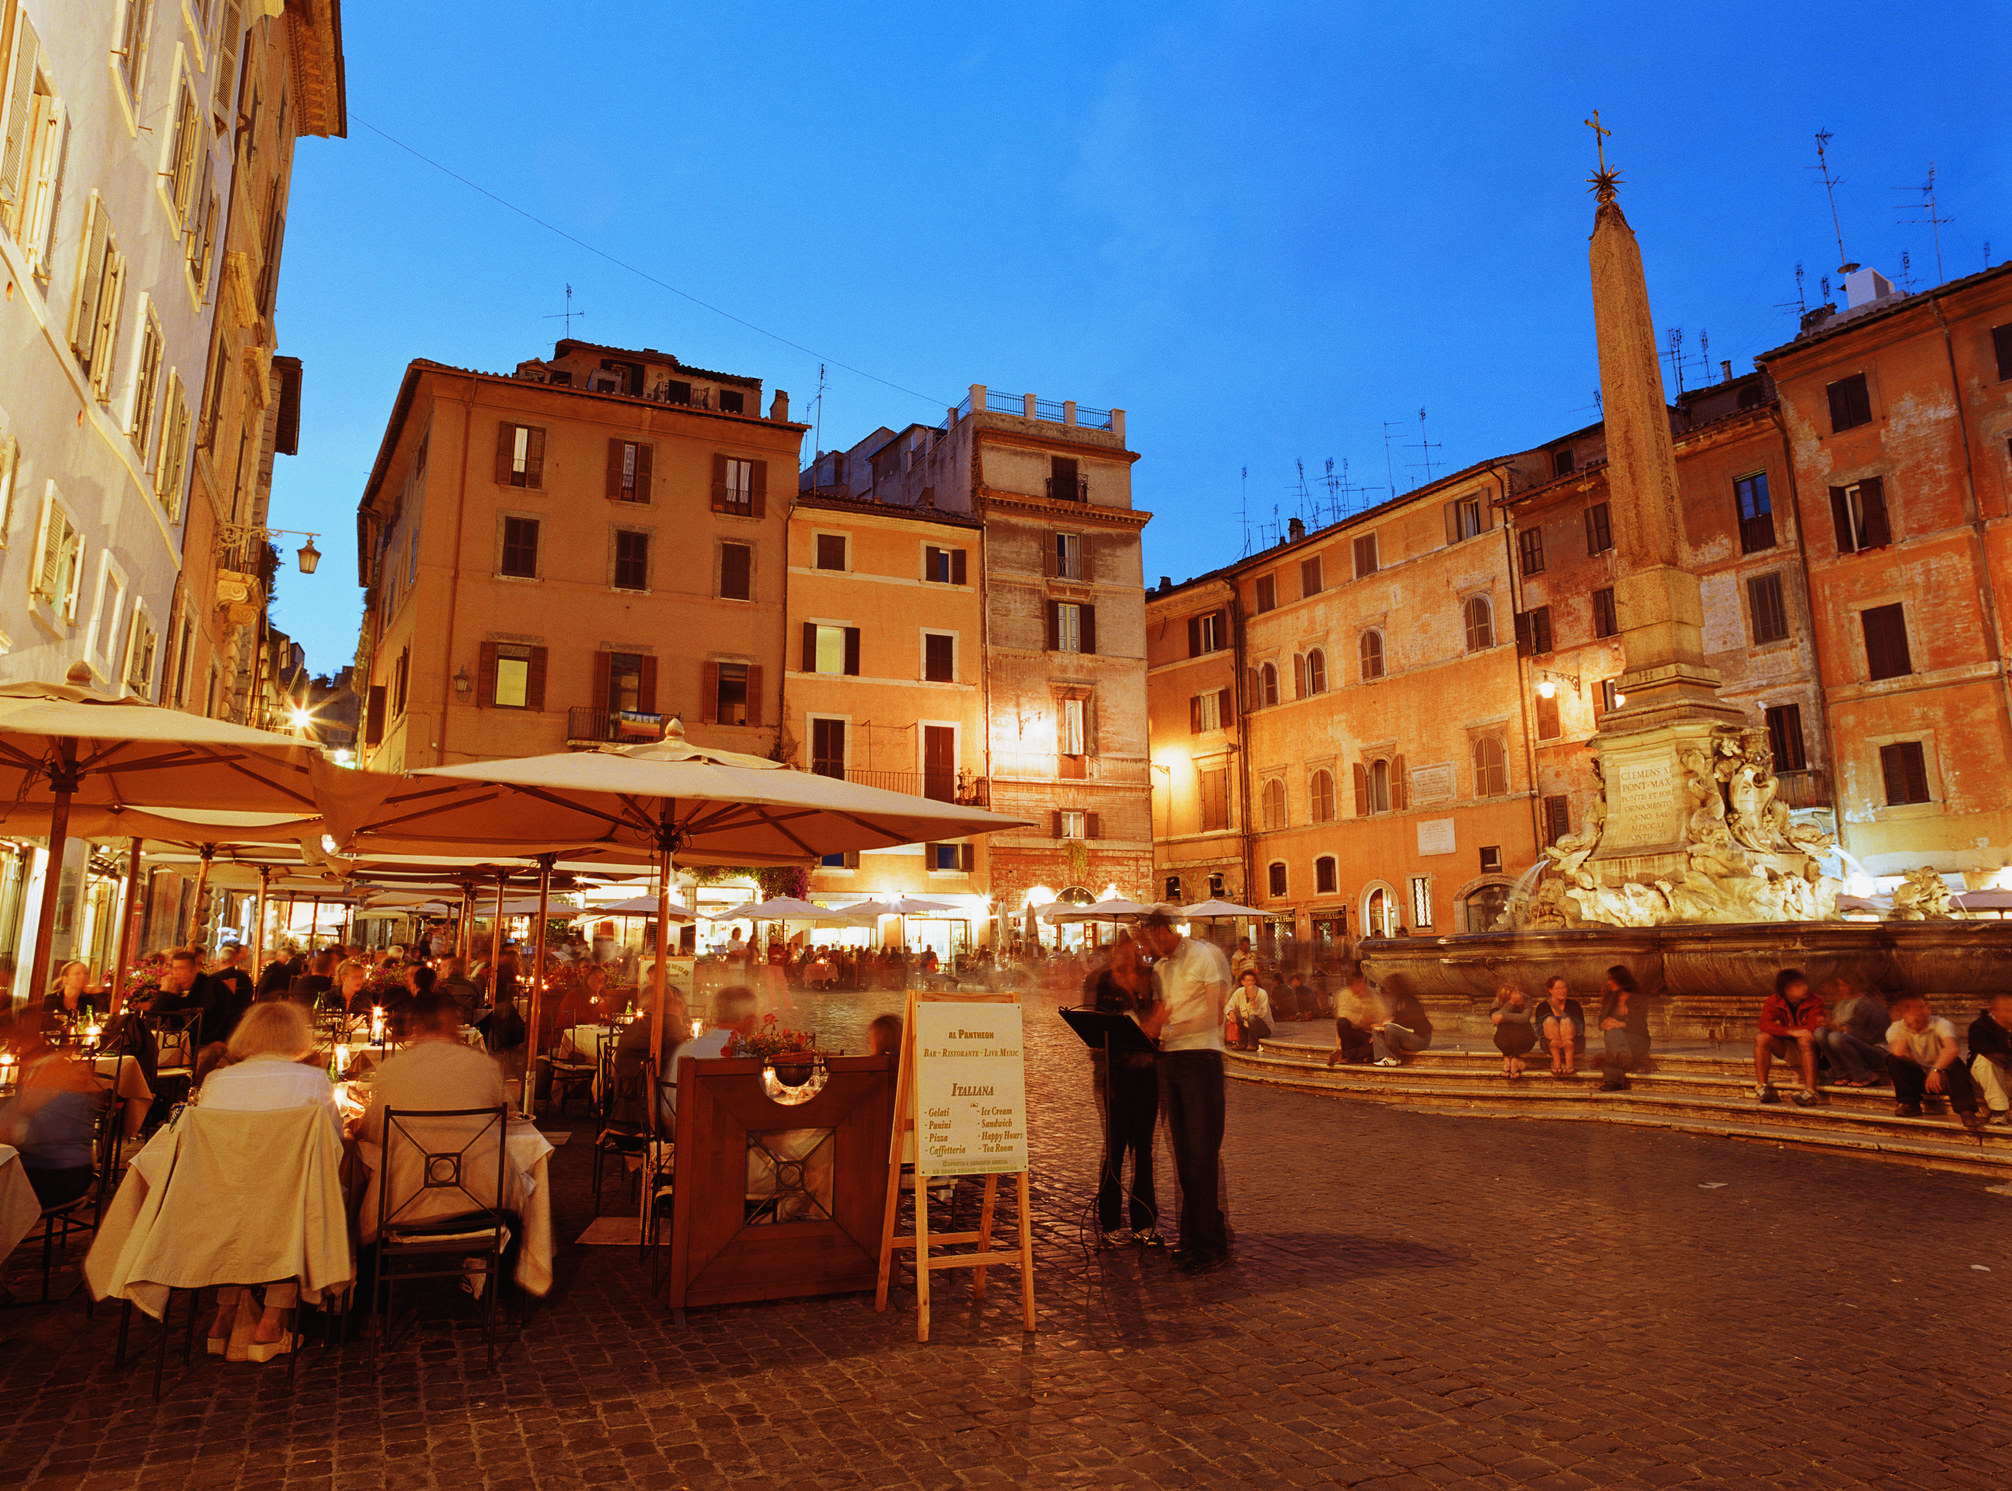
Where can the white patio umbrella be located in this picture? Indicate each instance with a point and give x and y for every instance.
(1981, 900)
(1212, 910)
(634, 906)
(670, 799)
(1116, 910)
(783, 909)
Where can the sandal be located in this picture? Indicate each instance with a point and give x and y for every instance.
(265, 1351)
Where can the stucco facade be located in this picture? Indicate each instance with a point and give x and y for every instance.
(550, 558)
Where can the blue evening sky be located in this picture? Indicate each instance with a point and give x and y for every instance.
(1263, 230)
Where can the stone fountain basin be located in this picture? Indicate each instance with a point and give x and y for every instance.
(1709, 981)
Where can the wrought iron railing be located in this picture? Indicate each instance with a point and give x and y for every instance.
(1804, 789)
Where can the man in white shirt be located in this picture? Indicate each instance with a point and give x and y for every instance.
(1922, 1058)
(1191, 978)
(735, 1011)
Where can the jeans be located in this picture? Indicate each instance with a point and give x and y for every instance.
(1129, 1107)
(1191, 1092)
(1395, 1041)
(1910, 1083)
(1355, 1042)
(1851, 1058)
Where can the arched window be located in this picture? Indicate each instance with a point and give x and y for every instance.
(1274, 804)
(1320, 797)
(1275, 877)
(1173, 889)
(1491, 771)
(1372, 655)
(1480, 619)
(1379, 786)
(1268, 684)
(1324, 878)
(1484, 906)
(1379, 914)
(1316, 672)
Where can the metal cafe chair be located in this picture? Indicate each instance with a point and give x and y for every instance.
(62, 1220)
(624, 1130)
(439, 1202)
(577, 1074)
(178, 1037)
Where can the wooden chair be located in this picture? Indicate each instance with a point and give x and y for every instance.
(438, 1203)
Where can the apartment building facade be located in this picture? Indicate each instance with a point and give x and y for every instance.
(1064, 654)
(571, 554)
(884, 684)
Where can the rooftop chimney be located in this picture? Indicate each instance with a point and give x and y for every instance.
(1166, 582)
(1863, 286)
(1295, 531)
(778, 409)
(1726, 368)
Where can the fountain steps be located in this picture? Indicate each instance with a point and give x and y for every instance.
(1696, 1094)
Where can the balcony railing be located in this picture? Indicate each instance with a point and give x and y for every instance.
(958, 787)
(624, 726)
(1804, 789)
(1064, 490)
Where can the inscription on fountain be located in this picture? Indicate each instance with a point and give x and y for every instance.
(1642, 802)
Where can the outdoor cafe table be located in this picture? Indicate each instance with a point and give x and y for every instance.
(19, 1208)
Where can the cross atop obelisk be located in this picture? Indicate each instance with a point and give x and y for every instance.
(1602, 181)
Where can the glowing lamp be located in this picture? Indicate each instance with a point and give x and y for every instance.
(1547, 688)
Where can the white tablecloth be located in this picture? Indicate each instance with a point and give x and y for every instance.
(19, 1210)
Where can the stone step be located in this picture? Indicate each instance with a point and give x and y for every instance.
(1940, 1142)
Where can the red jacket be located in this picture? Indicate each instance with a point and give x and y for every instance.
(1779, 1017)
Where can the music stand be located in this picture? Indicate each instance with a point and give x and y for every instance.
(1110, 1034)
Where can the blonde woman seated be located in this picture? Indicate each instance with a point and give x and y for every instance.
(265, 1072)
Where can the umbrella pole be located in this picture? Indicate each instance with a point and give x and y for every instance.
(202, 889)
(658, 979)
(538, 981)
(258, 926)
(464, 926)
(496, 937)
(63, 780)
(127, 921)
(313, 922)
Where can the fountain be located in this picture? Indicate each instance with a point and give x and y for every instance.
(1690, 869)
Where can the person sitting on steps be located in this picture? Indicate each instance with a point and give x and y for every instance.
(1793, 1019)
(1405, 1032)
(1561, 1022)
(1249, 1008)
(1922, 1058)
(1514, 1035)
(1356, 1014)
(1624, 1029)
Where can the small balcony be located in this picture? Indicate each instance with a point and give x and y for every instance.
(959, 787)
(1804, 789)
(1065, 489)
(592, 727)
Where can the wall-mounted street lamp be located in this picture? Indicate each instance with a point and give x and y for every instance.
(1547, 682)
(462, 683)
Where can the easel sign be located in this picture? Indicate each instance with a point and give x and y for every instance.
(960, 1109)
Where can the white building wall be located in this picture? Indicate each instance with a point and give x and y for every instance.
(107, 450)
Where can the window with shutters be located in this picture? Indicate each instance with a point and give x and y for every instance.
(130, 60)
(1904, 768)
(1478, 618)
(1530, 550)
(827, 748)
(1756, 513)
(401, 675)
(830, 649)
(1075, 740)
(731, 703)
(1850, 403)
(943, 566)
(1379, 786)
(1274, 805)
(1610, 696)
(520, 548)
(1606, 623)
(1320, 796)
(94, 333)
(1268, 684)
(1784, 737)
(171, 465)
(108, 618)
(140, 654)
(1074, 824)
(59, 569)
(1215, 795)
(625, 682)
(939, 657)
(1267, 593)
(632, 560)
(1549, 727)
(199, 242)
(146, 389)
(1207, 633)
(1491, 767)
(1068, 627)
(1365, 556)
(520, 455)
(1069, 557)
(1533, 631)
(1466, 517)
(1557, 817)
(1769, 609)
(736, 572)
(230, 45)
(513, 676)
(1275, 881)
(10, 483)
(1599, 529)
(184, 151)
(1859, 516)
(275, 234)
(1886, 652)
(630, 466)
(1205, 711)
(1325, 876)
(1370, 649)
(1309, 576)
(1562, 461)
(1066, 482)
(2001, 347)
(831, 551)
(31, 161)
(1316, 671)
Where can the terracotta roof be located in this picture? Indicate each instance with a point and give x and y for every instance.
(649, 354)
(1885, 306)
(888, 510)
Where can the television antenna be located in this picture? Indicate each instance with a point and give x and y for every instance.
(1425, 447)
(1830, 185)
(1934, 220)
(1800, 304)
(1389, 465)
(1244, 506)
(568, 314)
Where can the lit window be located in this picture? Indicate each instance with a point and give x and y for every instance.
(1068, 627)
(831, 649)
(1072, 727)
(513, 681)
(1075, 825)
(1421, 900)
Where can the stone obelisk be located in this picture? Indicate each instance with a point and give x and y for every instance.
(1672, 703)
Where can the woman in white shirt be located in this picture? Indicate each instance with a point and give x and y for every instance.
(266, 1073)
(1250, 1007)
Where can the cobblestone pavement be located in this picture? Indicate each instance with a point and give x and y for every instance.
(1419, 1300)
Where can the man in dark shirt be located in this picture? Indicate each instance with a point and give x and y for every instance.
(185, 988)
(280, 973)
(1991, 1056)
(236, 983)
